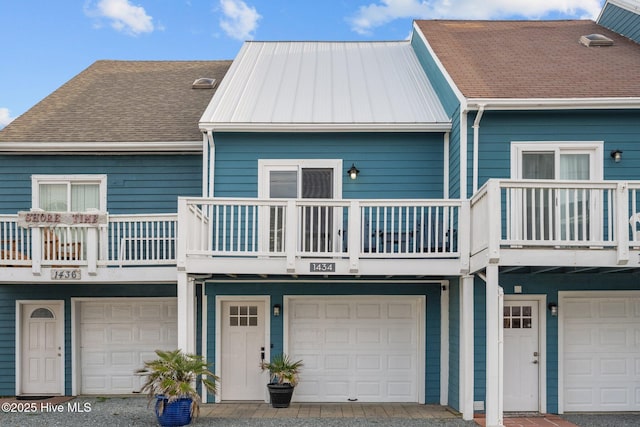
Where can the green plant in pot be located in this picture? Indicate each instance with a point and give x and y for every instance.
(283, 377)
(171, 380)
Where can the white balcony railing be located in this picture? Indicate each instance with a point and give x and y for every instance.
(320, 228)
(555, 215)
(124, 240)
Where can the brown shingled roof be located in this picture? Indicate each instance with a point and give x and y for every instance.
(122, 101)
(534, 59)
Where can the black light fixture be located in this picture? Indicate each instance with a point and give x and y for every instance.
(616, 155)
(276, 310)
(353, 172)
(553, 308)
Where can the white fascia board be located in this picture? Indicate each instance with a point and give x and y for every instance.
(329, 127)
(101, 147)
(553, 103)
(441, 67)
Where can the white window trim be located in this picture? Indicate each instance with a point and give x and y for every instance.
(595, 148)
(266, 165)
(36, 180)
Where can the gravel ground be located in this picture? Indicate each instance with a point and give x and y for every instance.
(134, 411)
(604, 420)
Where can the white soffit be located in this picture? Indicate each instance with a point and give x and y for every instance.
(325, 86)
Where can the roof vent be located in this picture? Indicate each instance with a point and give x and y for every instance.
(204, 83)
(596, 40)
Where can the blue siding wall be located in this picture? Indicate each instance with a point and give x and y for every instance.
(618, 130)
(446, 94)
(278, 291)
(136, 184)
(622, 21)
(392, 165)
(451, 105)
(10, 293)
(548, 285)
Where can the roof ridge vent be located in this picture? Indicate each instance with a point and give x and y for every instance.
(596, 40)
(204, 83)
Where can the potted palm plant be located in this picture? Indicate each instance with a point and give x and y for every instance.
(283, 377)
(171, 380)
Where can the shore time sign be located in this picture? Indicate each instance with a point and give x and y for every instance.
(51, 219)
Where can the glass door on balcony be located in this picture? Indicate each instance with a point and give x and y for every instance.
(567, 214)
(65, 193)
(307, 180)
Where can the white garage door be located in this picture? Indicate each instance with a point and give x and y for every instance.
(357, 348)
(601, 369)
(117, 336)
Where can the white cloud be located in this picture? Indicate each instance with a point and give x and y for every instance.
(5, 118)
(123, 16)
(240, 20)
(383, 11)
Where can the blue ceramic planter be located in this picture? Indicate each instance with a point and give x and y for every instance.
(176, 413)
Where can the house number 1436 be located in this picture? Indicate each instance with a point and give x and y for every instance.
(65, 274)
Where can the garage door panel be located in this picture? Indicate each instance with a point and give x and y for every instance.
(355, 348)
(116, 337)
(600, 351)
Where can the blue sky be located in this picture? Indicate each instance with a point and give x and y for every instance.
(47, 42)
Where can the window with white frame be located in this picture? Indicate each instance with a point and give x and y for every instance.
(556, 213)
(69, 193)
(302, 179)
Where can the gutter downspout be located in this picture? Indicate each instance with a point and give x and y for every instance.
(476, 141)
(211, 162)
(463, 153)
(205, 163)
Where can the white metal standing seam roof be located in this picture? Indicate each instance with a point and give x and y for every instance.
(325, 86)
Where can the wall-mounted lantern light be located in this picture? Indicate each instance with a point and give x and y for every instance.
(553, 308)
(276, 310)
(616, 155)
(353, 172)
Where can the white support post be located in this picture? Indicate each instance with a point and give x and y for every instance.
(353, 229)
(183, 234)
(186, 313)
(622, 222)
(444, 343)
(494, 215)
(493, 400)
(464, 230)
(466, 360)
(92, 251)
(291, 237)
(36, 251)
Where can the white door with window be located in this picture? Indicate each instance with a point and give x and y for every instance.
(243, 346)
(42, 348)
(301, 179)
(521, 355)
(569, 214)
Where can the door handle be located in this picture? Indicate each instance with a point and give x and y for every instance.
(261, 353)
(535, 362)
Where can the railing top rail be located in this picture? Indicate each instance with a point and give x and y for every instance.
(550, 183)
(124, 217)
(327, 202)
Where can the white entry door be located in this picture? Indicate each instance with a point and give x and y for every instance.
(521, 356)
(242, 348)
(42, 348)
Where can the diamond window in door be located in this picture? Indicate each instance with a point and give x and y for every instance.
(517, 317)
(243, 315)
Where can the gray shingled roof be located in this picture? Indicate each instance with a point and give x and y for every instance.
(122, 101)
(534, 59)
